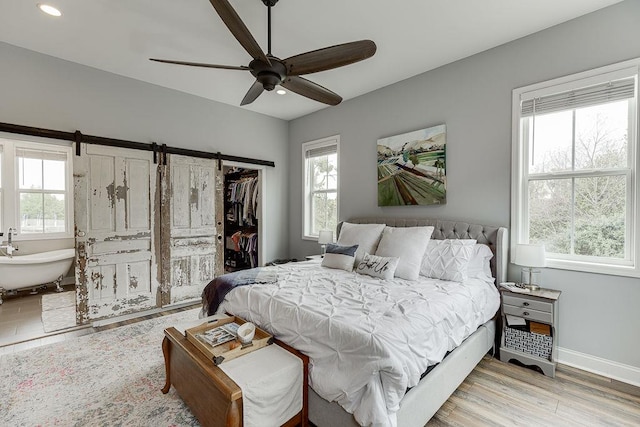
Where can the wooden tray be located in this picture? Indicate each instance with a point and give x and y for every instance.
(224, 352)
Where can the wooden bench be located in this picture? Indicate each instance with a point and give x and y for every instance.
(211, 395)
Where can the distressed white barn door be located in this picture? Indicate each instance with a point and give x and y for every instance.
(116, 269)
(192, 227)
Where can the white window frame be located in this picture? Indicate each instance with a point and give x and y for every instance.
(307, 195)
(2, 184)
(519, 182)
(10, 182)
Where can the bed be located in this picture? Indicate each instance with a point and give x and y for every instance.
(371, 340)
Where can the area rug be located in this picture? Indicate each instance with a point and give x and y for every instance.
(103, 379)
(58, 311)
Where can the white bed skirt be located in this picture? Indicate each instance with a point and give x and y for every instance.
(423, 400)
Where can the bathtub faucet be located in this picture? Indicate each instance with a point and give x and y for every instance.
(9, 246)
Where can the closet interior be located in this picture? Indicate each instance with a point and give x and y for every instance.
(241, 207)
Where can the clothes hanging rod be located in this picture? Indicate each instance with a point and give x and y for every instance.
(121, 143)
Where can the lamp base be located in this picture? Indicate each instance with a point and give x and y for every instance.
(530, 276)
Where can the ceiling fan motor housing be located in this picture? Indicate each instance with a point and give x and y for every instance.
(270, 75)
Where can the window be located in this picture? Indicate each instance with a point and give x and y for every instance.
(320, 174)
(41, 190)
(574, 180)
(36, 189)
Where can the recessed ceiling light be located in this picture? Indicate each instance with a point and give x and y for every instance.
(49, 10)
(281, 92)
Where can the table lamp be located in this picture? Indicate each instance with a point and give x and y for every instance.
(530, 257)
(324, 237)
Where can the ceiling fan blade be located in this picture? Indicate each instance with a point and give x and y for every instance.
(198, 64)
(254, 92)
(238, 29)
(330, 57)
(311, 90)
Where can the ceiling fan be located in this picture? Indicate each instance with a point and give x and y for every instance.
(271, 71)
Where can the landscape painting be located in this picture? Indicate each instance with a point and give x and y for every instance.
(412, 168)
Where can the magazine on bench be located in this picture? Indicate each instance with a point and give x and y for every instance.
(220, 335)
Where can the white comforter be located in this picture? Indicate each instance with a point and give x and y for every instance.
(368, 339)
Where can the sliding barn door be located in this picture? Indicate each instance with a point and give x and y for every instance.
(116, 269)
(191, 232)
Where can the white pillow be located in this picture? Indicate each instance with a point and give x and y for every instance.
(339, 256)
(479, 264)
(447, 259)
(408, 244)
(366, 236)
(378, 266)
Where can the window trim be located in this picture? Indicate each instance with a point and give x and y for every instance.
(2, 184)
(519, 199)
(306, 208)
(10, 211)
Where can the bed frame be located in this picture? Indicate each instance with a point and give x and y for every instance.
(423, 401)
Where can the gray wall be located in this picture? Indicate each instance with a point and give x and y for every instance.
(598, 313)
(42, 91)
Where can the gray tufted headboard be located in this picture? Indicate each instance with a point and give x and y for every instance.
(494, 237)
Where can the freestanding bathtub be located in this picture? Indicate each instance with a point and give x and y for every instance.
(25, 271)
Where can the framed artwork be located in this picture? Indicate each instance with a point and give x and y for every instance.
(412, 168)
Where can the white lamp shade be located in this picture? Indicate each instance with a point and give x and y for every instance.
(325, 236)
(530, 255)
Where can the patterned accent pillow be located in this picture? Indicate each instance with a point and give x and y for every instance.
(378, 266)
(408, 244)
(447, 259)
(341, 257)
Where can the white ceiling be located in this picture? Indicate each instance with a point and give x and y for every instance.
(413, 36)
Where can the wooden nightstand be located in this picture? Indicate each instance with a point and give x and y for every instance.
(536, 342)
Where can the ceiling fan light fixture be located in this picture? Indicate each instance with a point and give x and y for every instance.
(281, 92)
(49, 10)
(269, 80)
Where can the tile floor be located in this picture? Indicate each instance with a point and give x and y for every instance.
(37, 337)
(21, 323)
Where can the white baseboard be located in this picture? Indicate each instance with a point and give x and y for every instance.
(606, 368)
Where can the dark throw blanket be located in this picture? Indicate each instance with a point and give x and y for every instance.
(213, 294)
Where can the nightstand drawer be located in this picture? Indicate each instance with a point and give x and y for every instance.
(528, 313)
(528, 303)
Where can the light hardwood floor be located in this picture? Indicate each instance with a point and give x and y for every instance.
(504, 394)
(496, 393)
